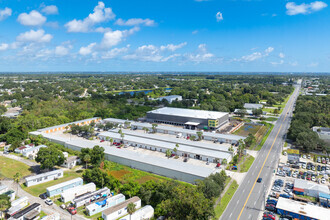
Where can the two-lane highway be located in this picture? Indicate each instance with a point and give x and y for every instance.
(249, 199)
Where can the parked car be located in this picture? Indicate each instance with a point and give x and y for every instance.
(271, 201)
(268, 216)
(43, 196)
(287, 196)
(102, 141)
(270, 207)
(49, 202)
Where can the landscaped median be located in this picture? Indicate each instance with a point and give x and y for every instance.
(246, 163)
(220, 208)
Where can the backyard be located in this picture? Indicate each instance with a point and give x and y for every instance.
(9, 167)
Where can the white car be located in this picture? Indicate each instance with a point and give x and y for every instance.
(304, 156)
(323, 181)
(313, 178)
(49, 202)
(304, 166)
(309, 156)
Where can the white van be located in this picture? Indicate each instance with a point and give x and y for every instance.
(179, 135)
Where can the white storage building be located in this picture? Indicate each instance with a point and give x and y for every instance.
(156, 145)
(69, 195)
(43, 177)
(120, 210)
(144, 213)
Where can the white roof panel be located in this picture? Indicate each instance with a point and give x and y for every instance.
(189, 113)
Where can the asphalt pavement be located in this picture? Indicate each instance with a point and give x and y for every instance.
(249, 200)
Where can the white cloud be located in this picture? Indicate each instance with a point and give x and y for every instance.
(52, 24)
(256, 55)
(113, 38)
(101, 14)
(4, 47)
(195, 32)
(294, 9)
(281, 55)
(62, 50)
(115, 52)
(219, 16)
(173, 47)
(136, 22)
(87, 50)
(102, 29)
(277, 63)
(5, 13)
(313, 64)
(34, 36)
(201, 55)
(50, 10)
(151, 53)
(34, 18)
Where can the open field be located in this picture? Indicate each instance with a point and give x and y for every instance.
(126, 174)
(246, 129)
(9, 167)
(270, 128)
(41, 188)
(220, 208)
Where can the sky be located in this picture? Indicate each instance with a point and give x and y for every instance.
(165, 35)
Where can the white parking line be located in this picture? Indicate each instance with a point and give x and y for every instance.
(230, 215)
(237, 201)
(249, 216)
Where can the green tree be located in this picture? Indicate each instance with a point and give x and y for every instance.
(131, 208)
(87, 159)
(257, 112)
(168, 153)
(193, 138)
(200, 135)
(17, 178)
(154, 127)
(97, 155)
(5, 204)
(49, 157)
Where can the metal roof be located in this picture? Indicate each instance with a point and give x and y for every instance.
(324, 195)
(166, 145)
(121, 205)
(303, 209)
(198, 144)
(54, 172)
(34, 148)
(252, 106)
(189, 113)
(60, 185)
(67, 124)
(145, 158)
(304, 184)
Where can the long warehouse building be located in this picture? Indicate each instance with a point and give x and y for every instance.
(174, 169)
(190, 118)
(184, 150)
(171, 130)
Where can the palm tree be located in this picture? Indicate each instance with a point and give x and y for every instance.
(111, 141)
(87, 159)
(224, 161)
(200, 135)
(144, 129)
(17, 178)
(168, 153)
(175, 150)
(193, 138)
(131, 208)
(154, 127)
(107, 138)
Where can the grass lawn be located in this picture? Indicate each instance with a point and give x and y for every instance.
(270, 126)
(271, 119)
(245, 165)
(246, 129)
(220, 208)
(81, 211)
(41, 188)
(9, 167)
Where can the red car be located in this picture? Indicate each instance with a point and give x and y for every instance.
(102, 141)
(269, 216)
(218, 165)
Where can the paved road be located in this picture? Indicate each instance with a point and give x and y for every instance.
(248, 201)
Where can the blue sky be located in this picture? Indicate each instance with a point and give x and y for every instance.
(165, 35)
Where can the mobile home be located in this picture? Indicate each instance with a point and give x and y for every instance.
(69, 195)
(60, 188)
(44, 177)
(120, 209)
(89, 197)
(98, 207)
